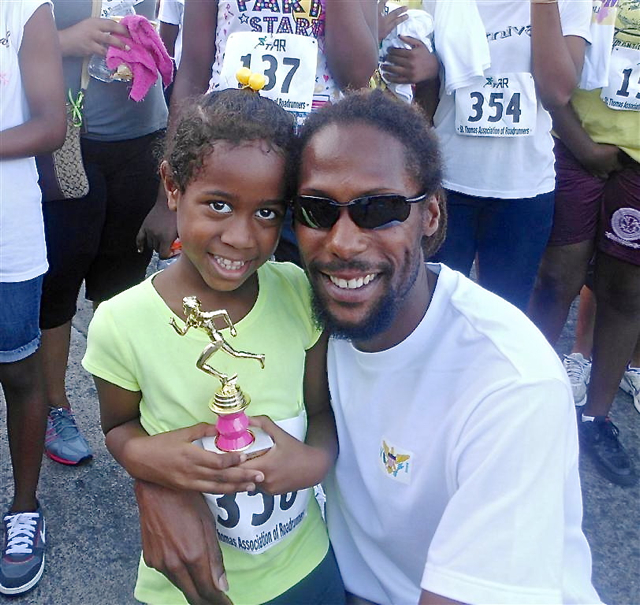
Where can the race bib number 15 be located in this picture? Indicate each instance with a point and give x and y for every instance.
(504, 106)
(288, 62)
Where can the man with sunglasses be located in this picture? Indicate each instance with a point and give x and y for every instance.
(457, 478)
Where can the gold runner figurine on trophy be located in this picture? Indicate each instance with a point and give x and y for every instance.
(229, 401)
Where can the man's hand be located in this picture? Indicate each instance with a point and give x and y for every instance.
(410, 65)
(291, 464)
(179, 540)
(158, 230)
(600, 159)
(92, 37)
(387, 22)
(173, 461)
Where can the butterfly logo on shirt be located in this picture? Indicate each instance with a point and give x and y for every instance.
(5, 41)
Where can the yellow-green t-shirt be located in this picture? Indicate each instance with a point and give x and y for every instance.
(131, 344)
(603, 124)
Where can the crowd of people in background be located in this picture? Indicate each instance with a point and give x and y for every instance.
(501, 142)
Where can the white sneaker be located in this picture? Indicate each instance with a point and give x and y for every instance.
(579, 371)
(630, 384)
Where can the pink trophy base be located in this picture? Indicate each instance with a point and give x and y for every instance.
(233, 432)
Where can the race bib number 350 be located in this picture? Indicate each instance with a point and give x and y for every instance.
(253, 521)
(288, 62)
(504, 106)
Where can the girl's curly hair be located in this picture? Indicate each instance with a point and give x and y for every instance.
(233, 115)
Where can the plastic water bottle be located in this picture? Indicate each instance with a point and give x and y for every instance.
(97, 67)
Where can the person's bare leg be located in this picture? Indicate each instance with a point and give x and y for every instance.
(23, 385)
(561, 275)
(585, 323)
(617, 327)
(55, 358)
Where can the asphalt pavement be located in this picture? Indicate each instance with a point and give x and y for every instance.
(92, 529)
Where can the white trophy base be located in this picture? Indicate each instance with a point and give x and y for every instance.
(261, 445)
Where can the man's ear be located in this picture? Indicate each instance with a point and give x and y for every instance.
(431, 216)
(170, 186)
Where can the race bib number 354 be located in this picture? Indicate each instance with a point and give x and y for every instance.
(504, 106)
(288, 62)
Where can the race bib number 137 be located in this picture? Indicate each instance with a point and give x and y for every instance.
(504, 106)
(288, 62)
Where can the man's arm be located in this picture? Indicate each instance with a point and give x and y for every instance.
(179, 540)
(41, 71)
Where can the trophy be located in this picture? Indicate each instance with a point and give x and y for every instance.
(229, 401)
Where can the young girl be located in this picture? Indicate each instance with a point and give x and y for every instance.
(225, 176)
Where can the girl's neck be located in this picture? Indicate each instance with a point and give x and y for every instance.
(176, 282)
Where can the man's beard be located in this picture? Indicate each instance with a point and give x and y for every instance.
(377, 320)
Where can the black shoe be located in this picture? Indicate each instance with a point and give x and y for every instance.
(22, 560)
(599, 439)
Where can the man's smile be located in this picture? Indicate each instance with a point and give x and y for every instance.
(353, 283)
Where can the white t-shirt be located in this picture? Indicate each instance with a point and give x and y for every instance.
(458, 464)
(172, 12)
(507, 167)
(22, 246)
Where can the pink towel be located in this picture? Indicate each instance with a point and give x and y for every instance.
(147, 56)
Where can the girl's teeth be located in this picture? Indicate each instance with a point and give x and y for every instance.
(232, 265)
(352, 284)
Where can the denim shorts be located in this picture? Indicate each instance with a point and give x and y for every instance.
(19, 319)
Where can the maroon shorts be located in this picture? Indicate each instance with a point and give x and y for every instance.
(590, 208)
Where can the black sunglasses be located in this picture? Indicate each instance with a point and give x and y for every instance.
(367, 212)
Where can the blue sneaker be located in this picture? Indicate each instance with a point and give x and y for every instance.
(22, 560)
(63, 441)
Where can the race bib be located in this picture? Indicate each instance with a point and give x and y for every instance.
(288, 62)
(623, 89)
(254, 522)
(504, 106)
